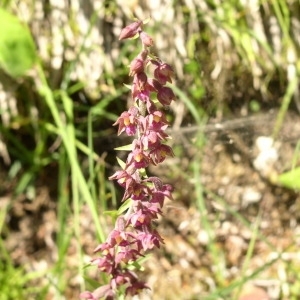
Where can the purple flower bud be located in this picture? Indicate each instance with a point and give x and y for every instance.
(136, 66)
(165, 96)
(130, 30)
(140, 79)
(146, 39)
(163, 73)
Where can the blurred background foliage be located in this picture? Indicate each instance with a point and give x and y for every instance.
(61, 88)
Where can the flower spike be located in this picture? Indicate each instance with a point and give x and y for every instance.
(134, 232)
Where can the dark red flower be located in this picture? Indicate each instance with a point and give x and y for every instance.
(165, 96)
(160, 153)
(163, 73)
(154, 85)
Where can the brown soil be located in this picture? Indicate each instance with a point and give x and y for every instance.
(184, 267)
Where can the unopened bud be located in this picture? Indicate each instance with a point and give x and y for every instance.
(140, 79)
(130, 30)
(136, 66)
(146, 39)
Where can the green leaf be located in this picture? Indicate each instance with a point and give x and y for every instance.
(17, 48)
(124, 206)
(147, 20)
(124, 148)
(111, 213)
(121, 163)
(135, 266)
(127, 85)
(291, 179)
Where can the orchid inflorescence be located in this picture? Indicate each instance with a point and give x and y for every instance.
(134, 232)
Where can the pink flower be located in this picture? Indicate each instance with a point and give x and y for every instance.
(103, 291)
(104, 264)
(123, 178)
(159, 154)
(133, 233)
(159, 195)
(140, 218)
(127, 255)
(149, 240)
(150, 140)
(136, 191)
(139, 87)
(128, 121)
(157, 121)
(138, 159)
(117, 237)
(143, 95)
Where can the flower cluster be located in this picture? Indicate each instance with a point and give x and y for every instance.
(134, 233)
